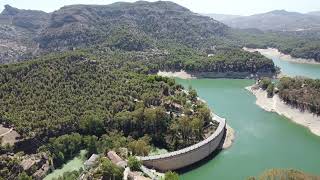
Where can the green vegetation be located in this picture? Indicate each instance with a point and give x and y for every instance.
(284, 174)
(107, 170)
(171, 176)
(270, 89)
(134, 164)
(78, 100)
(172, 35)
(24, 176)
(65, 147)
(9, 167)
(105, 97)
(222, 60)
(301, 44)
(266, 84)
(301, 93)
(140, 147)
(73, 175)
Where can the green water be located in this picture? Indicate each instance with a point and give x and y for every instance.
(73, 165)
(263, 140)
(296, 69)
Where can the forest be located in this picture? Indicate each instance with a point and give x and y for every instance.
(300, 44)
(283, 174)
(71, 101)
(301, 93)
(92, 84)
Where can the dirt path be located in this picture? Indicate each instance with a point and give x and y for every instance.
(3, 134)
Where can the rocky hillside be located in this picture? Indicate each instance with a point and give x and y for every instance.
(316, 13)
(139, 26)
(18, 28)
(278, 20)
(25, 32)
(222, 17)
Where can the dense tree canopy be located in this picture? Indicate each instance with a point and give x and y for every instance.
(99, 101)
(301, 93)
(299, 44)
(291, 174)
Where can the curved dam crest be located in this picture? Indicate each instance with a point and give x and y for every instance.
(189, 155)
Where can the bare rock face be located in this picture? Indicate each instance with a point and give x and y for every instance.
(9, 10)
(18, 28)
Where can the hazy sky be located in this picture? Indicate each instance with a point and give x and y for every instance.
(239, 7)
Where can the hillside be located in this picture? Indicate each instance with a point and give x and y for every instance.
(62, 103)
(222, 17)
(79, 26)
(299, 44)
(18, 28)
(316, 13)
(139, 26)
(300, 93)
(278, 20)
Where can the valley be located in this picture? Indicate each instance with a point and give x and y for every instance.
(153, 90)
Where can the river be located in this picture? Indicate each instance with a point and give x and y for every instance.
(263, 140)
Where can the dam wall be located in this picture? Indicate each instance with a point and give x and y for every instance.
(189, 155)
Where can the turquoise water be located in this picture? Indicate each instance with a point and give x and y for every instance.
(73, 165)
(296, 69)
(264, 140)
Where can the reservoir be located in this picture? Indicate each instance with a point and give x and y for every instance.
(263, 140)
(289, 65)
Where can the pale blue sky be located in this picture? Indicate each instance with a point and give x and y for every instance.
(239, 7)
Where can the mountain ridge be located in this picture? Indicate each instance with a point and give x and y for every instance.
(277, 20)
(78, 26)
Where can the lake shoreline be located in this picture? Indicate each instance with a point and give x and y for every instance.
(230, 133)
(176, 74)
(182, 74)
(273, 52)
(230, 136)
(275, 104)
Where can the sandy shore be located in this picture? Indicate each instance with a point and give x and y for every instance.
(181, 74)
(229, 137)
(272, 52)
(275, 104)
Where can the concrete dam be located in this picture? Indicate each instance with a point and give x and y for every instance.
(189, 155)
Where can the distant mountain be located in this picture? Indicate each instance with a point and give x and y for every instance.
(278, 20)
(17, 30)
(222, 17)
(315, 13)
(139, 26)
(77, 26)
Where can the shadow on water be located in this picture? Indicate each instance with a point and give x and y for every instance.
(205, 160)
